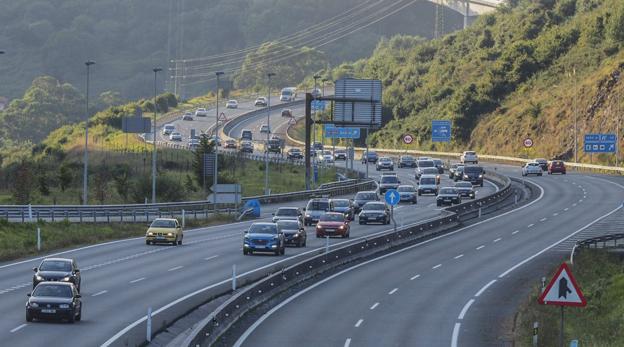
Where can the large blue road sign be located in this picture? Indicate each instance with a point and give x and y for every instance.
(441, 131)
(600, 143)
(392, 197)
(332, 132)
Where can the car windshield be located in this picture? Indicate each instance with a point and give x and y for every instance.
(371, 154)
(407, 158)
(365, 196)
(463, 184)
(295, 150)
(340, 203)
(287, 225)
(163, 223)
(389, 179)
(318, 206)
(470, 153)
(286, 93)
(406, 189)
(374, 207)
(286, 212)
(384, 159)
(426, 163)
(473, 169)
(448, 191)
(263, 229)
(437, 162)
(332, 217)
(55, 265)
(427, 180)
(55, 291)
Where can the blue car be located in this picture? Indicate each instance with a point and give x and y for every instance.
(408, 193)
(264, 237)
(344, 206)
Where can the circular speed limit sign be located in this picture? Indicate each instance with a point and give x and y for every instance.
(407, 139)
(528, 143)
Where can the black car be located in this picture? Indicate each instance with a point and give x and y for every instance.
(453, 169)
(369, 157)
(407, 161)
(543, 163)
(50, 300)
(294, 232)
(465, 189)
(421, 164)
(344, 206)
(439, 164)
(388, 182)
(273, 146)
(448, 195)
(246, 147)
(362, 198)
(317, 146)
(294, 153)
(474, 174)
(459, 173)
(374, 212)
(57, 270)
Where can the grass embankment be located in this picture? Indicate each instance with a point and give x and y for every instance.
(18, 240)
(601, 277)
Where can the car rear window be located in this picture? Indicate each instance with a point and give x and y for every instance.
(473, 169)
(340, 203)
(318, 206)
(288, 225)
(389, 179)
(161, 223)
(406, 189)
(426, 163)
(430, 171)
(332, 217)
(374, 207)
(448, 191)
(55, 265)
(427, 180)
(365, 196)
(263, 229)
(54, 291)
(471, 153)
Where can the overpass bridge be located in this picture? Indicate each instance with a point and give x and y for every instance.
(468, 8)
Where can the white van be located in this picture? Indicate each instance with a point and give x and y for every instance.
(168, 129)
(288, 94)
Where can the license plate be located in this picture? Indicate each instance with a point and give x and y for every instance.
(330, 230)
(45, 310)
(160, 237)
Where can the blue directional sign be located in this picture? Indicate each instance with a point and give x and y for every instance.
(332, 132)
(316, 174)
(600, 143)
(318, 105)
(392, 197)
(441, 131)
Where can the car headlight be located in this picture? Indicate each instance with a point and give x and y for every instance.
(34, 304)
(150, 234)
(318, 226)
(341, 227)
(307, 215)
(169, 234)
(480, 176)
(64, 306)
(39, 278)
(465, 176)
(66, 279)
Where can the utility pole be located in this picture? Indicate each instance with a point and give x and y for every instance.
(575, 118)
(467, 14)
(316, 77)
(266, 154)
(156, 71)
(216, 146)
(85, 174)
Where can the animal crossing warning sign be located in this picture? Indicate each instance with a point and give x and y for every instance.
(563, 290)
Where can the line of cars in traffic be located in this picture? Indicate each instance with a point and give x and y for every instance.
(540, 165)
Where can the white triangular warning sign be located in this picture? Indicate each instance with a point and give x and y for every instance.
(563, 290)
(222, 117)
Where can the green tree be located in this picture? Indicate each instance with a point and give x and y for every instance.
(43, 184)
(64, 177)
(205, 147)
(615, 24)
(121, 177)
(100, 183)
(189, 184)
(23, 183)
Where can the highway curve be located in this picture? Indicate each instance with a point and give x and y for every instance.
(456, 290)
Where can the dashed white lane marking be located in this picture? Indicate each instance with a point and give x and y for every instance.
(485, 287)
(455, 335)
(458, 256)
(498, 239)
(175, 268)
(574, 204)
(18, 328)
(437, 266)
(430, 205)
(530, 225)
(480, 247)
(543, 219)
(465, 309)
(555, 214)
(566, 209)
(210, 258)
(137, 280)
(357, 325)
(580, 200)
(414, 277)
(515, 232)
(393, 291)
(100, 293)
(374, 306)
(347, 342)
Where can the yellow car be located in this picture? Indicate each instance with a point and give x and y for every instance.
(164, 230)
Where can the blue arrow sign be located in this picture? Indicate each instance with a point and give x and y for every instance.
(392, 197)
(441, 131)
(600, 143)
(332, 132)
(318, 105)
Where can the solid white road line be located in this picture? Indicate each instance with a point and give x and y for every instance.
(455, 335)
(393, 291)
(359, 322)
(437, 266)
(137, 280)
(458, 256)
(498, 239)
(175, 268)
(18, 328)
(415, 277)
(100, 293)
(485, 287)
(480, 247)
(347, 342)
(374, 306)
(493, 185)
(465, 309)
(210, 258)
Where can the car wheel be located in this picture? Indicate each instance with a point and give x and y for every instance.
(550, 173)
(563, 173)
(72, 318)
(180, 242)
(539, 174)
(438, 203)
(414, 202)
(245, 252)
(277, 252)
(361, 222)
(283, 250)
(29, 317)
(79, 316)
(482, 182)
(419, 194)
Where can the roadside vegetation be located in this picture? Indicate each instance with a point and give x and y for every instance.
(600, 275)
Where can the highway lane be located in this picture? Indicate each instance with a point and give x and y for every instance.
(419, 296)
(121, 279)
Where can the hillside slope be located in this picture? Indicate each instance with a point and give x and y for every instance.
(520, 72)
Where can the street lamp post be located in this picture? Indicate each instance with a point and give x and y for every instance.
(266, 154)
(85, 174)
(316, 77)
(156, 71)
(216, 146)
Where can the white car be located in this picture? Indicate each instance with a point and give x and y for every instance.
(265, 129)
(175, 136)
(231, 104)
(469, 157)
(193, 143)
(532, 168)
(168, 129)
(260, 101)
(201, 112)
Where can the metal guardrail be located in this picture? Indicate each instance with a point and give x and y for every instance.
(594, 241)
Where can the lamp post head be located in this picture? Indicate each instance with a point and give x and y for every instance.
(1, 52)
(270, 74)
(317, 77)
(157, 69)
(219, 73)
(89, 62)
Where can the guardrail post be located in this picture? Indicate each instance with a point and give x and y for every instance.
(52, 215)
(326, 244)
(183, 218)
(535, 333)
(94, 217)
(80, 215)
(479, 212)
(38, 239)
(107, 216)
(234, 277)
(148, 335)
(121, 216)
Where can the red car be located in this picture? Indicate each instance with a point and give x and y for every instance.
(333, 224)
(556, 166)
